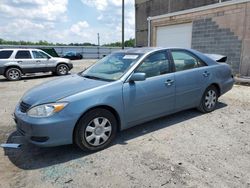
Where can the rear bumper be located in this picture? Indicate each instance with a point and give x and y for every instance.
(227, 85)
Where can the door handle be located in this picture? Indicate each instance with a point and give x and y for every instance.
(169, 82)
(38, 61)
(19, 61)
(206, 74)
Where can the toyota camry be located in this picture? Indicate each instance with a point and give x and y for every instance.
(124, 89)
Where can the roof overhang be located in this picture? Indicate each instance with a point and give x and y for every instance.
(202, 8)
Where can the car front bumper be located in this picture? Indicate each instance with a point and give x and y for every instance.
(70, 66)
(45, 132)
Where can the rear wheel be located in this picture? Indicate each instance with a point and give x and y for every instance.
(13, 74)
(95, 130)
(209, 100)
(62, 69)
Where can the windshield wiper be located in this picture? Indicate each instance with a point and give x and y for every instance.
(97, 78)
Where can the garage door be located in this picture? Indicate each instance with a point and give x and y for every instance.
(174, 36)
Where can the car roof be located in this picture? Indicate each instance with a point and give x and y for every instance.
(144, 50)
(20, 49)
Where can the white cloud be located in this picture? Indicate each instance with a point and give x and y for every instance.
(99, 4)
(48, 10)
(104, 4)
(35, 20)
(110, 15)
(79, 27)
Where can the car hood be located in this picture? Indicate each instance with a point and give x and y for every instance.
(55, 90)
(61, 59)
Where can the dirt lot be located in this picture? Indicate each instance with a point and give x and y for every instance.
(187, 149)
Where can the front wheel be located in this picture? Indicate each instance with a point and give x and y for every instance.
(95, 130)
(62, 69)
(209, 100)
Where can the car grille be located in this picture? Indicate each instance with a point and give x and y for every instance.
(24, 107)
(21, 131)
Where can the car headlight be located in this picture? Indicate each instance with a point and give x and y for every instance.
(46, 110)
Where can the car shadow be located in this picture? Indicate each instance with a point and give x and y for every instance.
(29, 156)
(32, 77)
(29, 77)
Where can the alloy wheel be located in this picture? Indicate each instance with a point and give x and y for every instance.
(98, 131)
(63, 69)
(210, 99)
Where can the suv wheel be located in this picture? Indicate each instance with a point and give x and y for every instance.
(95, 130)
(13, 74)
(209, 100)
(62, 69)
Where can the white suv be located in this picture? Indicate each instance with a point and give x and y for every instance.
(17, 62)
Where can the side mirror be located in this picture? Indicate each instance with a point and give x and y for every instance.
(139, 76)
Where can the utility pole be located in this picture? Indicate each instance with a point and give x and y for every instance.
(122, 24)
(98, 39)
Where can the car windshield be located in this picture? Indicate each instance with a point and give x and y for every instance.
(69, 53)
(111, 67)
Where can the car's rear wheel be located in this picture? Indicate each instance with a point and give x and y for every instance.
(62, 69)
(209, 100)
(95, 130)
(13, 74)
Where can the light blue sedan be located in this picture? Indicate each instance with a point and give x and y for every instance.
(122, 90)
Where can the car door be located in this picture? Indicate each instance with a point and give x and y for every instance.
(50, 62)
(191, 77)
(41, 61)
(153, 97)
(25, 60)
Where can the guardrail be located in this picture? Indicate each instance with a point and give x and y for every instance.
(88, 52)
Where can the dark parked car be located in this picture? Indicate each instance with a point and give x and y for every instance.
(72, 55)
(122, 90)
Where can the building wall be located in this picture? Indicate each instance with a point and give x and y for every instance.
(149, 8)
(222, 30)
(209, 37)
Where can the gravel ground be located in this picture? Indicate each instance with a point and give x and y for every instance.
(187, 149)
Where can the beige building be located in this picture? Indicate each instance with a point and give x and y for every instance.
(207, 26)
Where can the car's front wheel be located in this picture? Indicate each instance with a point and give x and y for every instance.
(62, 69)
(209, 100)
(13, 74)
(95, 130)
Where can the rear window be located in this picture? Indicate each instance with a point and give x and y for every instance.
(5, 54)
(24, 54)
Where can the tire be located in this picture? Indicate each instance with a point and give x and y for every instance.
(91, 133)
(13, 74)
(62, 69)
(209, 100)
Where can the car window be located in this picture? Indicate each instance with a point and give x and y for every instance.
(184, 61)
(69, 54)
(39, 55)
(112, 67)
(23, 54)
(5, 54)
(155, 65)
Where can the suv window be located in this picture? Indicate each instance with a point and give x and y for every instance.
(5, 54)
(184, 61)
(155, 64)
(23, 54)
(39, 55)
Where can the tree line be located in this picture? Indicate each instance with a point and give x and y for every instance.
(127, 43)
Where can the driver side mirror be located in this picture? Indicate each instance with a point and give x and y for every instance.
(139, 76)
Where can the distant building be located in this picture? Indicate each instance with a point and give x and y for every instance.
(210, 26)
